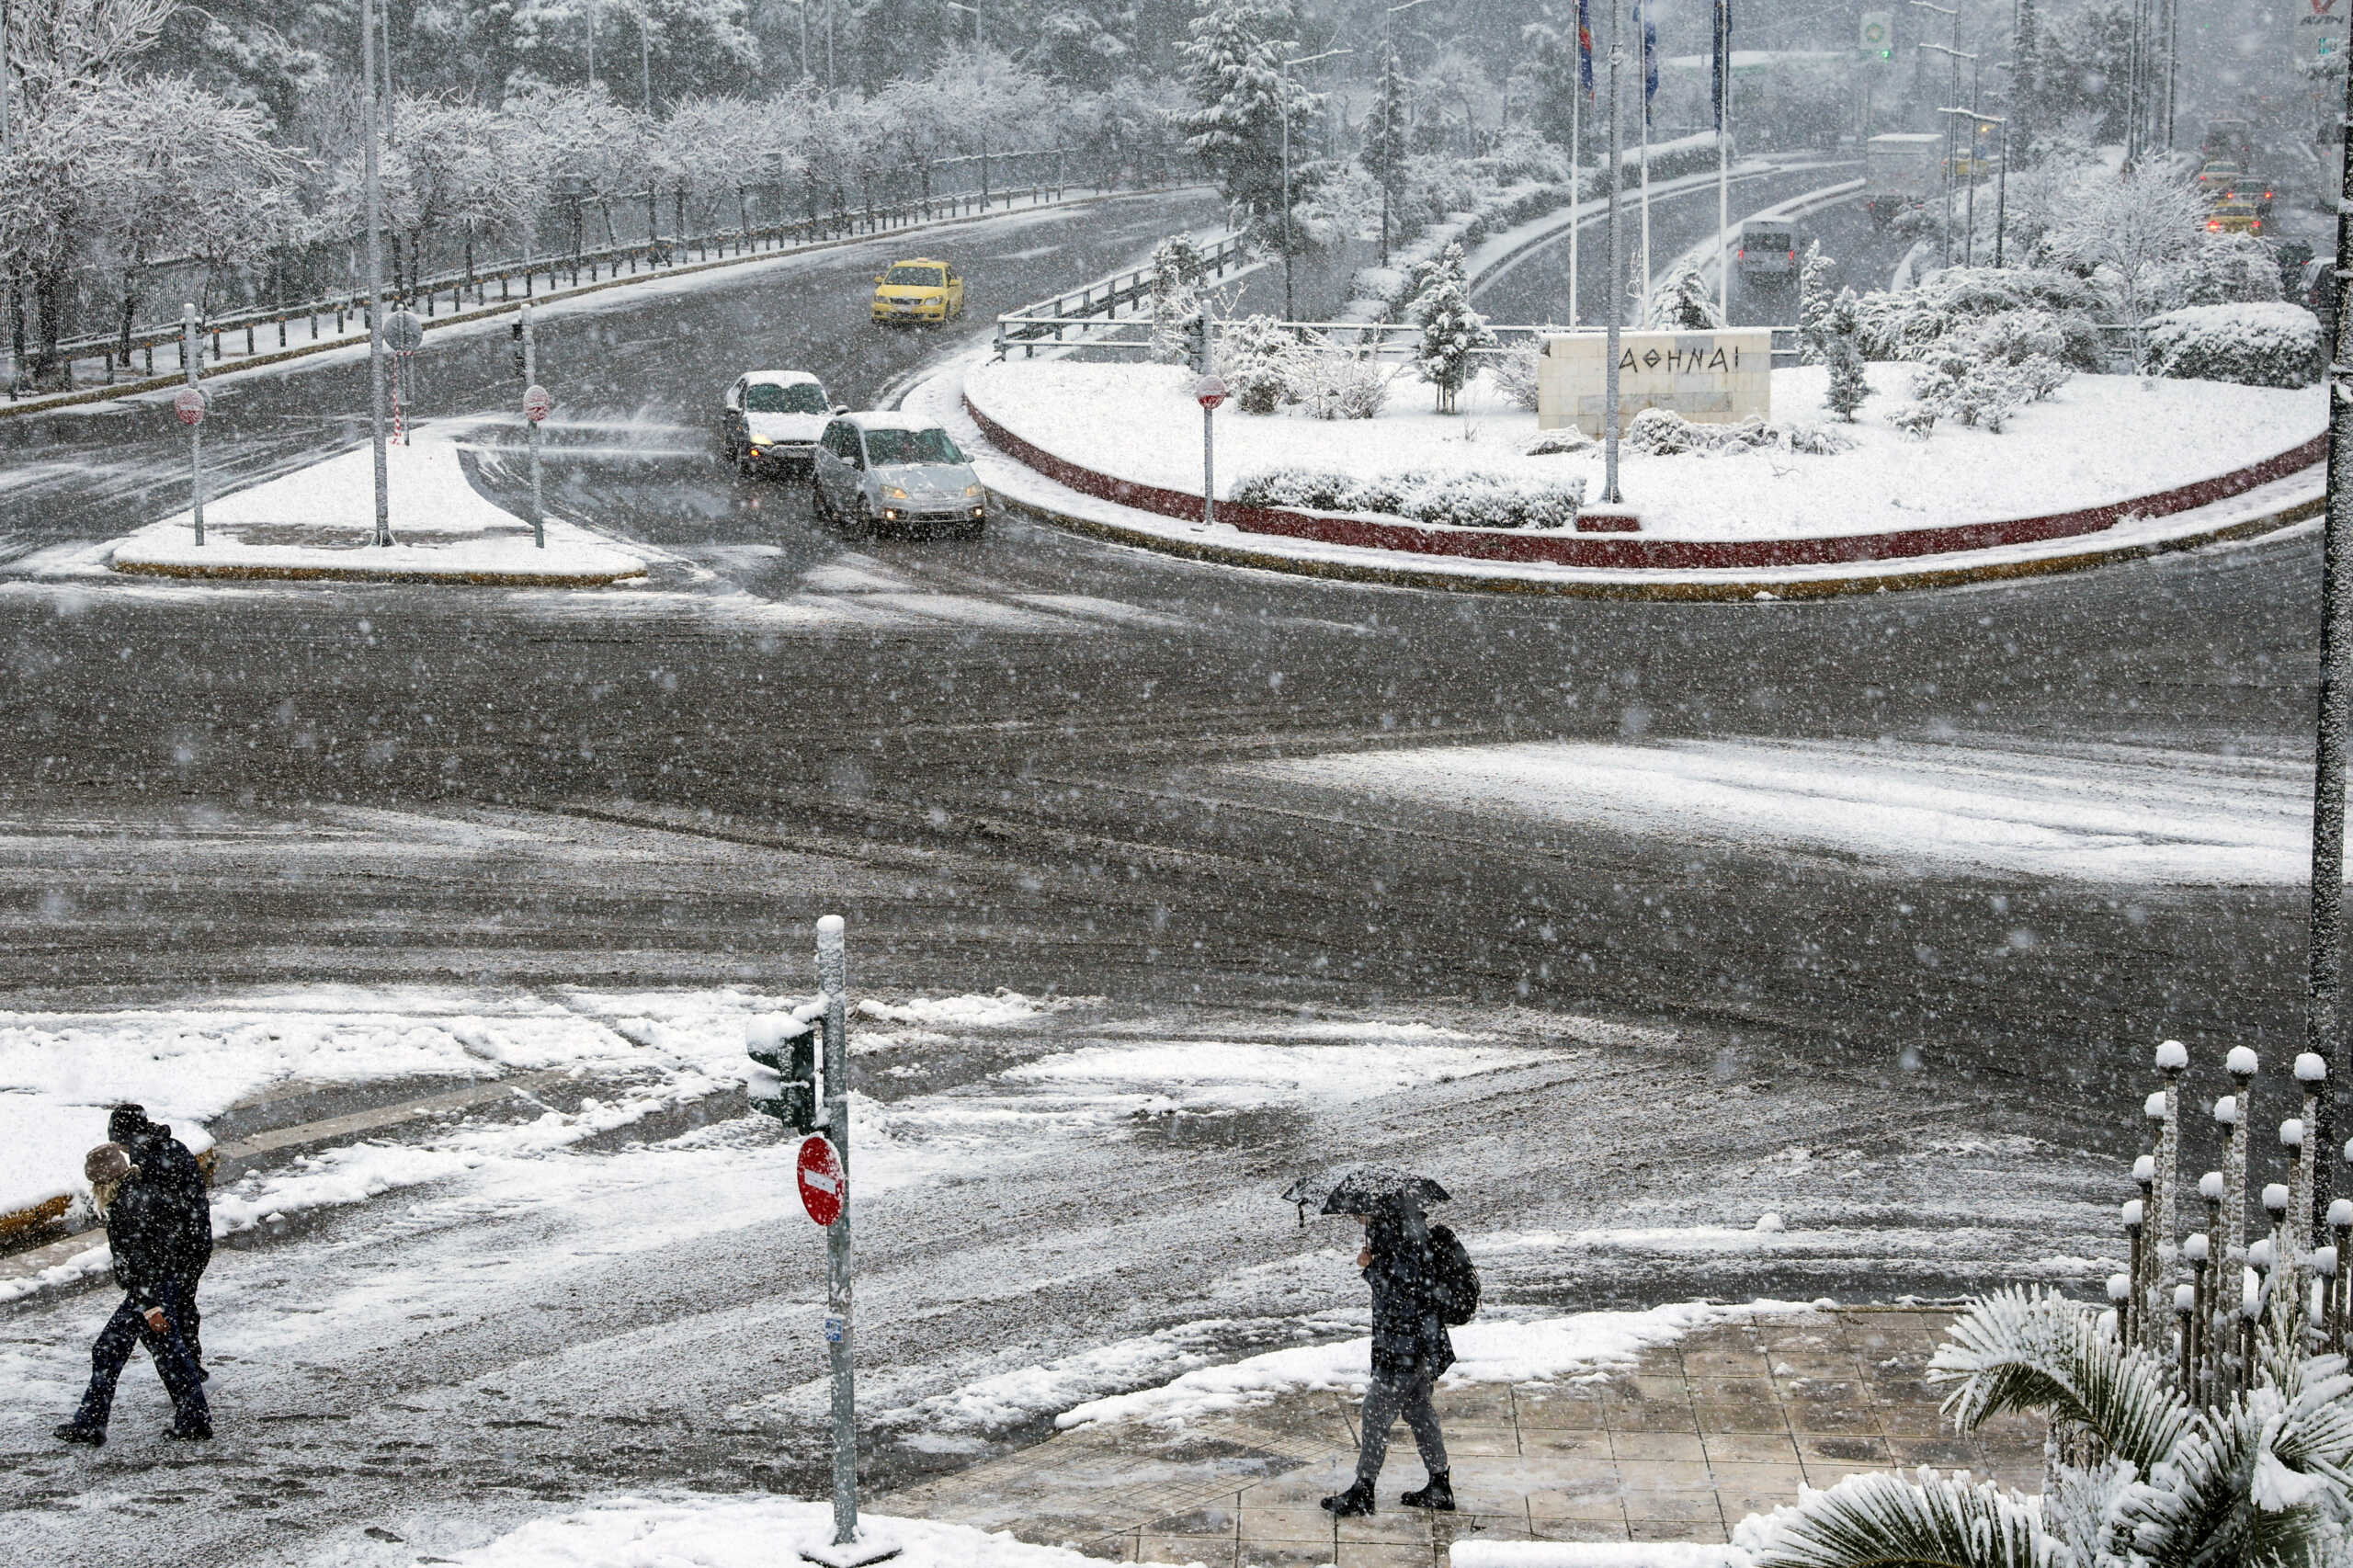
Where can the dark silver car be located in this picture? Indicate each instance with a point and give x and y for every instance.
(890, 472)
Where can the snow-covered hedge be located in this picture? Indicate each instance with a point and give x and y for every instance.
(1662, 432)
(2262, 345)
(1462, 500)
(1905, 324)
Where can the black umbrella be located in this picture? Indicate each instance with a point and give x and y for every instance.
(1361, 1188)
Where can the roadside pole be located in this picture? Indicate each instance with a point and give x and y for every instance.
(368, 109)
(832, 980)
(536, 403)
(1577, 163)
(190, 404)
(1612, 288)
(1723, 156)
(1209, 391)
(2325, 974)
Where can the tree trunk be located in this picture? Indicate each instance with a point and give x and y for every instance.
(50, 372)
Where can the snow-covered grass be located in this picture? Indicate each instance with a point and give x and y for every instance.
(1488, 1350)
(2109, 814)
(2098, 439)
(321, 518)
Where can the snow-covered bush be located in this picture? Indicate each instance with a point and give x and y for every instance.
(1683, 304)
(1177, 272)
(1568, 438)
(1662, 432)
(1914, 419)
(1461, 500)
(1255, 355)
(1451, 332)
(2270, 345)
(1905, 324)
(1838, 342)
(1329, 381)
(2227, 269)
(1516, 371)
(1969, 389)
(1814, 305)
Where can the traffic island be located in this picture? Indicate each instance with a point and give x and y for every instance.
(2108, 468)
(319, 524)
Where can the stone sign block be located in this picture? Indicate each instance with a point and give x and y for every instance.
(1710, 378)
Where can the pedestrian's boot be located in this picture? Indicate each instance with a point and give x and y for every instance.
(189, 1431)
(1355, 1502)
(1437, 1494)
(75, 1432)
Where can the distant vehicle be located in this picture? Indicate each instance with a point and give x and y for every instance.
(1900, 169)
(877, 471)
(1768, 248)
(2229, 141)
(2261, 189)
(2234, 217)
(772, 419)
(2219, 177)
(920, 289)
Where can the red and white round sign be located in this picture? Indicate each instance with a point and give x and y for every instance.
(1209, 391)
(189, 404)
(823, 1186)
(536, 403)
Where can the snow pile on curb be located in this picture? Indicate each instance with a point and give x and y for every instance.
(1584, 1344)
(317, 521)
(706, 1532)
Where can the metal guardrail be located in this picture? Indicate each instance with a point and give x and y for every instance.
(428, 295)
(1102, 335)
(1099, 303)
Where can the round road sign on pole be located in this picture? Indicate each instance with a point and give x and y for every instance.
(819, 1173)
(1209, 391)
(536, 403)
(403, 332)
(189, 404)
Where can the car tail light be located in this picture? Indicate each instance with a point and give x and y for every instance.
(1742, 256)
(1793, 255)
(2258, 224)
(2215, 224)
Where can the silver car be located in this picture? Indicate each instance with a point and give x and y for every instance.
(877, 472)
(772, 419)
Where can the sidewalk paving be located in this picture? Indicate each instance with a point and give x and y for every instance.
(1728, 1421)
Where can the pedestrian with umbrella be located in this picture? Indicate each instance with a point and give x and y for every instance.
(1422, 1281)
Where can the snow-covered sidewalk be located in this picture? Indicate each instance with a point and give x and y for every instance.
(319, 522)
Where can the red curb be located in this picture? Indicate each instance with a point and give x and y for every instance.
(1650, 554)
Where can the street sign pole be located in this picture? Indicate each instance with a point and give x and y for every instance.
(832, 980)
(1209, 391)
(535, 408)
(191, 357)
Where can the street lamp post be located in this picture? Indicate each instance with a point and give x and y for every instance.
(375, 201)
(1282, 93)
(1953, 49)
(978, 40)
(1616, 294)
(644, 60)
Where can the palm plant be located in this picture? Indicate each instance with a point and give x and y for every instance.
(2141, 1475)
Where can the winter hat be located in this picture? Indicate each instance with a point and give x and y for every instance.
(127, 1122)
(107, 1163)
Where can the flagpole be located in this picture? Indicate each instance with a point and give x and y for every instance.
(1577, 190)
(1647, 68)
(1723, 159)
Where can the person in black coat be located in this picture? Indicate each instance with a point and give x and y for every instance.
(144, 1231)
(165, 1162)
(1410, 1349)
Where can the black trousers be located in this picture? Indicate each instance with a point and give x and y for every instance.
(126, 1331)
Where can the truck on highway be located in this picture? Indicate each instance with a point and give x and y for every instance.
(1900, 169)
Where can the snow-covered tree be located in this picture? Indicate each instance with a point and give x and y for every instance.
(1176, 299)
(1452, 334)
(1233, 64)
(1813, 304)
(2129, 231)
(1840, 344)
(1383, 151)
(1686, 304)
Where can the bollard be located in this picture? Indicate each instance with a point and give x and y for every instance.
(2240, 1064)
(2197, 1379)
(2292, 1147)
(2340, 1226)
(2135, 1276)
(2185, 1311)
(2156, 1241)
(2120, 1296)
(2171, 1058)
(2209, 1188)
(2312, 1074)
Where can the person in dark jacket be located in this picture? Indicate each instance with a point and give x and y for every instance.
(1410, 1349)
(143, 1233)
(163, 1161)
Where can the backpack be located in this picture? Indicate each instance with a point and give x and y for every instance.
(1456, 1292)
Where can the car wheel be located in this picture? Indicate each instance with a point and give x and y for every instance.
(743, 464)
(862, 522)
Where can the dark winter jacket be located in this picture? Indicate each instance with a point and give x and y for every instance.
(165, 1163)
(1409, 1338)
(144, 1230)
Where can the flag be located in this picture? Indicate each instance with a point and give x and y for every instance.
(1723, 61)
(1650, 57)
(1585, 51)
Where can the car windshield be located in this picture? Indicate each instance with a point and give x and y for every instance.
(1769, 239)
(886, 447)
(796, 397)
(919, 275)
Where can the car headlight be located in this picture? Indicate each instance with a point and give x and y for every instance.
(972, 490)
(893, 493)
(935, 299)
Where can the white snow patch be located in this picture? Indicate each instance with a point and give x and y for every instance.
(1582, 1345)
(970, 1011)
(1244, 1073)
(1593, 1554)
(2109, 814)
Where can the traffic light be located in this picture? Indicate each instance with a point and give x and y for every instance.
(784, 1083)
(1196, 341)
(515, 336)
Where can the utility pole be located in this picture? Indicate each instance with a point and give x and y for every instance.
(7, 147)
(191, 359)
(375, 201)
(1282, 91)
(1616, 292)
(2325, 974)
(645, 62)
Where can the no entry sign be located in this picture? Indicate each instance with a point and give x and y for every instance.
(823, 1189)
(536, 403)
(1209, 391)
(189, 403)
(403, 332)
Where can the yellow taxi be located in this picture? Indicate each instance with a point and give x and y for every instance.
(920, 289)
(2236, 216)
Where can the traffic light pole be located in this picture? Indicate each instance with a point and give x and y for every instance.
(833, 979)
